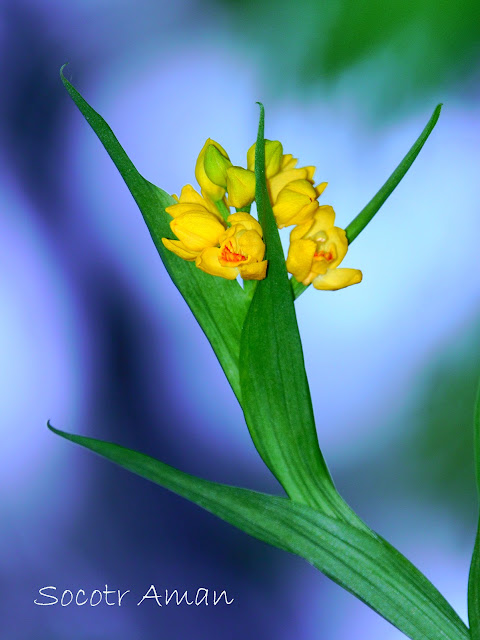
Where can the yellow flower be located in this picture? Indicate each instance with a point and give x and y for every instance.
(316, 249)
(196, 223)
(280, 169)
(241, 251)
(297, 202)
(209, 188)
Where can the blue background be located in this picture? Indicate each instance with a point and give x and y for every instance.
(94, 336)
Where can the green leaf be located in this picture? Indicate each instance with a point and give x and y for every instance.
(474, 576)
(275, 393)
(219, 305)
(359, 223)
(362, 563)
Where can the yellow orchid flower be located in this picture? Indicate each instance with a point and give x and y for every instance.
(280, 169)
(297, 202)
(209, 188)
(316, 249)
(241, 251)
(196, 224)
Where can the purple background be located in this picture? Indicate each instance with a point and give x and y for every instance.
(94, 336)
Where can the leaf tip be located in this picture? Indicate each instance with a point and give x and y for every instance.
(436, 113)
(262, 110)
(66, 83)
(52, 428)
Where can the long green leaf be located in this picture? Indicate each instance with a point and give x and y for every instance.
(474, 576)
(362, 563)
(275, 392)
(359, 223)
(366, 214)
(219, 305)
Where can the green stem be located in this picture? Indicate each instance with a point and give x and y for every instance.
(359, 223)
(222, 207)
(297, 287)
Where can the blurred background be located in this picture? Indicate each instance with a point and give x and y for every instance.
(94, 336)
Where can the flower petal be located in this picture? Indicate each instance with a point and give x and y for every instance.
(301, 230)
(190, 199)
(197, 230)
(296, 203)
(176, 210)
(178, 249)
(300, 258)
(251, 244)
(246, 220)
(323, 220)
(288, 162)
(279, 181)
(189, 195)
(336, 279)
(254, 270)
(338, 238)
(207, 261)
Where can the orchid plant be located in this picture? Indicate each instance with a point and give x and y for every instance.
(232, 272)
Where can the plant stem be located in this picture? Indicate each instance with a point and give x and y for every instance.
(222, 207)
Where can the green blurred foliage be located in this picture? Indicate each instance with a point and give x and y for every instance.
(441, 454)
(386, 55)
(424, 452)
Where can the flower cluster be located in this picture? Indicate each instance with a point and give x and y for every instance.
(222, 247)
(230, 245)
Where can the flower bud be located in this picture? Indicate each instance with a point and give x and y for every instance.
(240, 187)
(216, 165)
(273, 157)
(209, 188)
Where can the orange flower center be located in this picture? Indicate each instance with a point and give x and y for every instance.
(323, 255)
(229, 255)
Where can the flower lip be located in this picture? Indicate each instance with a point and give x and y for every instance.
(229, 255)
(323, 255)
